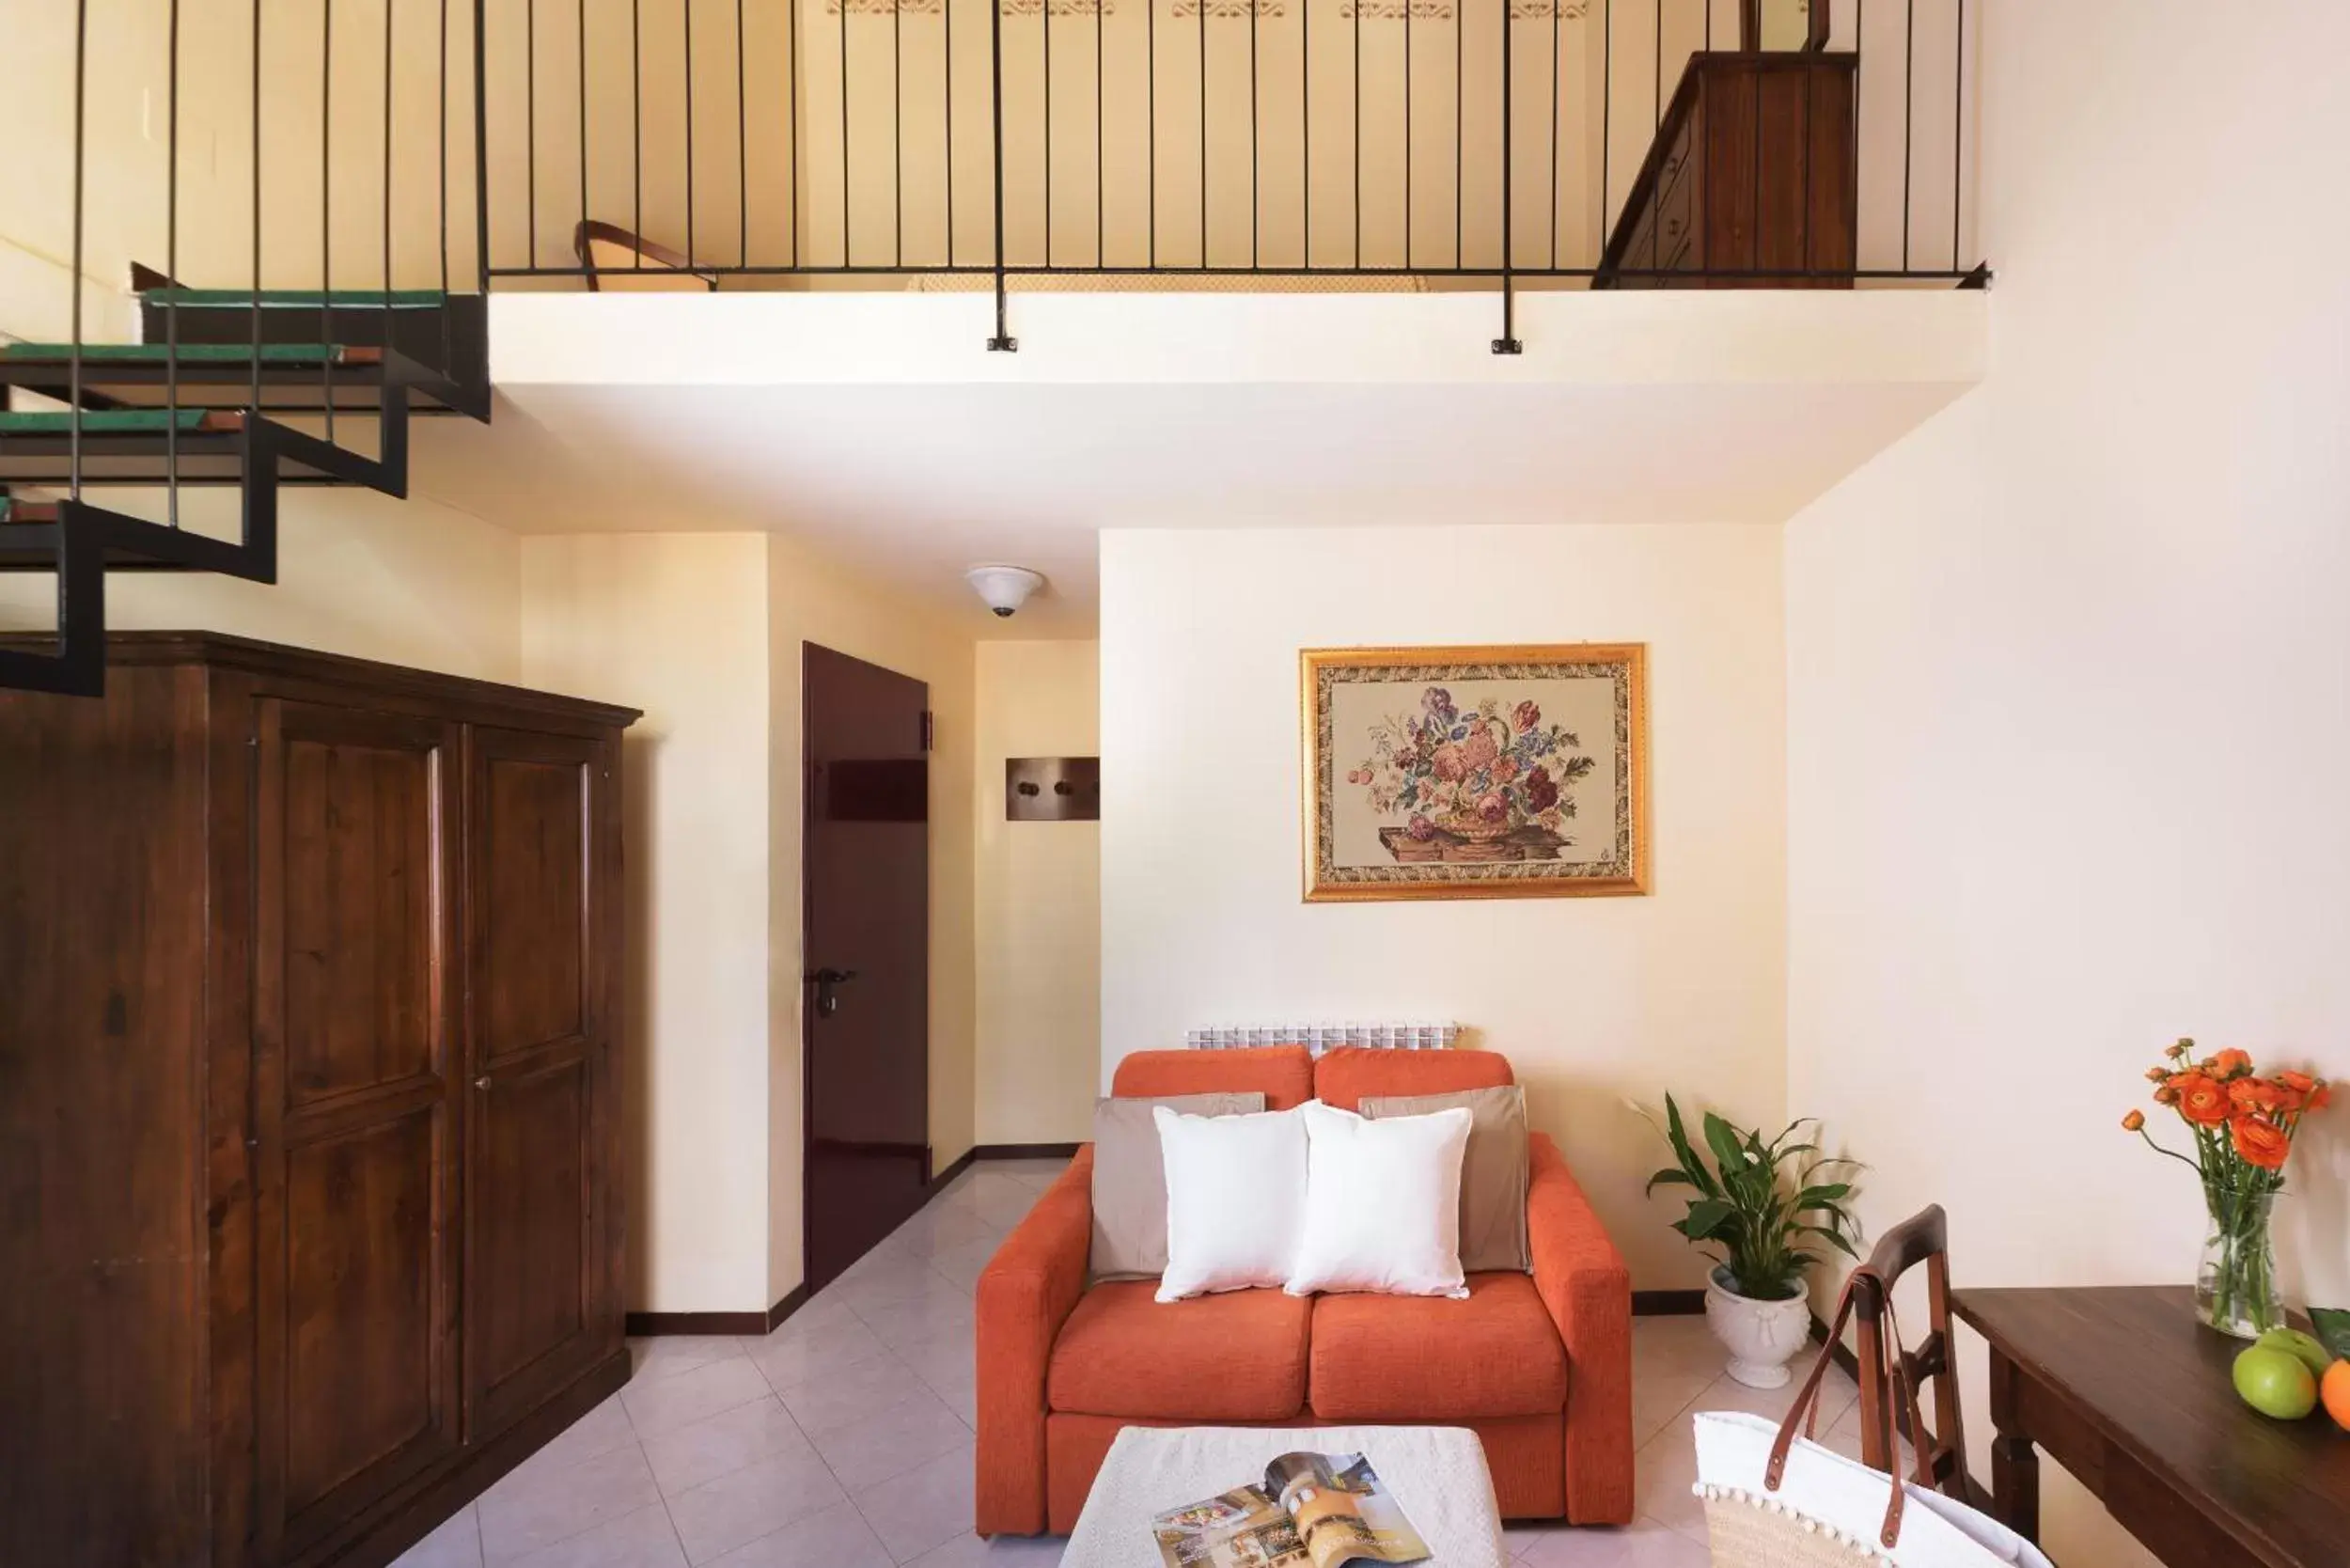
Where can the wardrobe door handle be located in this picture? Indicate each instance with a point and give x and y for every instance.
(482, 1082)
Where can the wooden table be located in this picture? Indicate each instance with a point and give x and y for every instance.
(2130, 1394)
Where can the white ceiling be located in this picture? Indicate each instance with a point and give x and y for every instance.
(913, 483)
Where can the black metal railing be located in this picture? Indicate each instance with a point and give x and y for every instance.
(1448, 142)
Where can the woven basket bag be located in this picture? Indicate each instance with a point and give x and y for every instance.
(1776, 1499)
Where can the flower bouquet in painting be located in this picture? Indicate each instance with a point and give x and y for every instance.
(1472, 778)
(2243, 1124)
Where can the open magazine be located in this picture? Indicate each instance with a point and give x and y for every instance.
(1313, 1511)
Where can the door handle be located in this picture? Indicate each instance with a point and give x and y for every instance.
(829, 982)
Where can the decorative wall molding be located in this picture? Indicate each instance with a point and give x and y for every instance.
(1227, 10)
(1231, 10)
(1443, 11)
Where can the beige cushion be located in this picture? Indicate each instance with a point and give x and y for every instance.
(1494, 1173)
(1130, 1179)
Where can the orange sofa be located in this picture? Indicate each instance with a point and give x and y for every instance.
(1538, 1366)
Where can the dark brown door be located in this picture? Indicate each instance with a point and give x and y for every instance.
(356, 1099)
(866, 990)
(541, 1245)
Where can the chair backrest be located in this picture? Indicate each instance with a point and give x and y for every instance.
(1284, 1074)
(1923, 1238)
(1342, 1077)
(617, 262)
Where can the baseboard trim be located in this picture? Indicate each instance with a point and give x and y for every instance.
(647, 1325)
(938, 1182)
(1668, 1304)
(1026, 1151)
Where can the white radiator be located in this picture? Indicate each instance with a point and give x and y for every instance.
(1317, 1038)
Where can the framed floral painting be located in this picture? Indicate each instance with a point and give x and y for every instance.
(1468, 773)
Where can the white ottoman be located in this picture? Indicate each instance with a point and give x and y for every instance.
(1437, 1473)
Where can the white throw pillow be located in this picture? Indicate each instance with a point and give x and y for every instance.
(1383, 1204)
(1235, 1199)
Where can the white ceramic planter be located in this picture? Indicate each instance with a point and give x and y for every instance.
(1761, 1336)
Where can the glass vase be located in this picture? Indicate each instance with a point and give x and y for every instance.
(2235, 1288)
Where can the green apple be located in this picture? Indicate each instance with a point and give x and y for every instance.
(2275, 1383)
(2300, 1346)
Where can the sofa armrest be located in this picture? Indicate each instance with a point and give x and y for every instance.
(1025, 1295)
(1583, 1281)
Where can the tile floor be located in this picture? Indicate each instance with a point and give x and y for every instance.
(844, 1438)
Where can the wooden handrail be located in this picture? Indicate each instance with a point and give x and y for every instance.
(591, 229)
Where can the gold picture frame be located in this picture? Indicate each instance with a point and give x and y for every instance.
(1516, 771)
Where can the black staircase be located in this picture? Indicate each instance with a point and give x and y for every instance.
(212, 408)
(244, 386)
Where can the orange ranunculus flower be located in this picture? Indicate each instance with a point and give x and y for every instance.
(2261, 1142)
(2202, 1100)
(2156, 1074)
(2133, 1120)
(2166, 1095)
(2255, 1094)
(2229, 1063)
(2184, 1047)
(2322, 1096)
(2301, 1083)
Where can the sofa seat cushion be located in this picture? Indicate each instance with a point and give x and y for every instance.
(1236, 1356)
(1389, 1357)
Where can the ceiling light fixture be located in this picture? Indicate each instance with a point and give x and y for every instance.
(1004, 588)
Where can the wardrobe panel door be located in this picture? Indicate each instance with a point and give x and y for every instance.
(541, 1306)
(354, 1079)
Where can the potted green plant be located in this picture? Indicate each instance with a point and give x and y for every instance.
(1763, 1206)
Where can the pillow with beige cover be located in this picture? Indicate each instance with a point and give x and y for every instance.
(1494, 1173)
(1130, 1179)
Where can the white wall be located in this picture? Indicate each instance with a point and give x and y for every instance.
(407, 582)
(1592, 1000)
(676, 624)
(1038, 892)
(2066, 691)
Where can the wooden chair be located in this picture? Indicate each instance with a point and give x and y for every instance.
(1920, 1239)
(617, 262)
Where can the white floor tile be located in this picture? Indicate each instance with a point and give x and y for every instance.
(1005, 1551)
(926, 1507)
(1643, 1544)
(898, 1324)
(964, 1264)
(912, 1431)
(792, 1357)
(715, 1517)
(843, 1396)
(837, 1537)
(668, 1353)
(685, 1458)
(602, 1429)
(669, 1402)
(522, 1514)
(457, 1543)
(644, 1539)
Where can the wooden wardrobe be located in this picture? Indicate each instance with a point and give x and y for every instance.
(310, 1203)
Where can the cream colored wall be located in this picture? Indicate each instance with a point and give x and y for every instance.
(126, 117)
(677, 624)
(1038, 896)
(1591, 999)
(2065, 691)
(813, 600)
(407, 582)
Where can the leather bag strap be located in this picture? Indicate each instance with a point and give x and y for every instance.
(1805, 1408)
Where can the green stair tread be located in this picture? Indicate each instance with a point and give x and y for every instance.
(402, 299)
(99, 354)
(103, 422)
